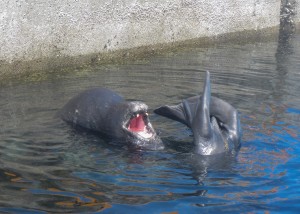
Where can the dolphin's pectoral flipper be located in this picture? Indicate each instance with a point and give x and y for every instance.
(208, 137)
(201, 125)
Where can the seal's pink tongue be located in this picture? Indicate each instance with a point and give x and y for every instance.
(137, 124)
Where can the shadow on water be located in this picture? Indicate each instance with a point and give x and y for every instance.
(285, 40)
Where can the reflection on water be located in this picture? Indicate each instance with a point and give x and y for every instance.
(45, 166)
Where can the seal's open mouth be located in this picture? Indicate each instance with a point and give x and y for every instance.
(139, 124)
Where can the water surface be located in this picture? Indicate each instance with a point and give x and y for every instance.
(46, 166)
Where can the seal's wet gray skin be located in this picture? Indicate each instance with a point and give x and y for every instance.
(106, 112)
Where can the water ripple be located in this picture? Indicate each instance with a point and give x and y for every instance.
(46, 166)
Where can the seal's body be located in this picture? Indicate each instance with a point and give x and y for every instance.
(104, 111)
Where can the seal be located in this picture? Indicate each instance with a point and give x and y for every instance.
(214, 122)
(104, 111)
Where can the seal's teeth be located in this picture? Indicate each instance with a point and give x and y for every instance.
(137, 115)
(147, 113)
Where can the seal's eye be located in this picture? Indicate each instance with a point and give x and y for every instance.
(137, 123)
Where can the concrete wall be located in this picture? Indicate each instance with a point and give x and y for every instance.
(37, 29)
(297, 11)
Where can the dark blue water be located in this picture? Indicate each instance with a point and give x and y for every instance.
(46, 166)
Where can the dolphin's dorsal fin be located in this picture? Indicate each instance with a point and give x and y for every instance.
(201, 125)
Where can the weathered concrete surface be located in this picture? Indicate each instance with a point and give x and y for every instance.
(40, 30)
(297, 11)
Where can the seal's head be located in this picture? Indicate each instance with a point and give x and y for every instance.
(138, 127)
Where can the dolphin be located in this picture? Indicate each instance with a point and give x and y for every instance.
(103, 111)
(214, 122)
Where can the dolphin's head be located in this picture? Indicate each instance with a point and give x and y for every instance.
(138, 128)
